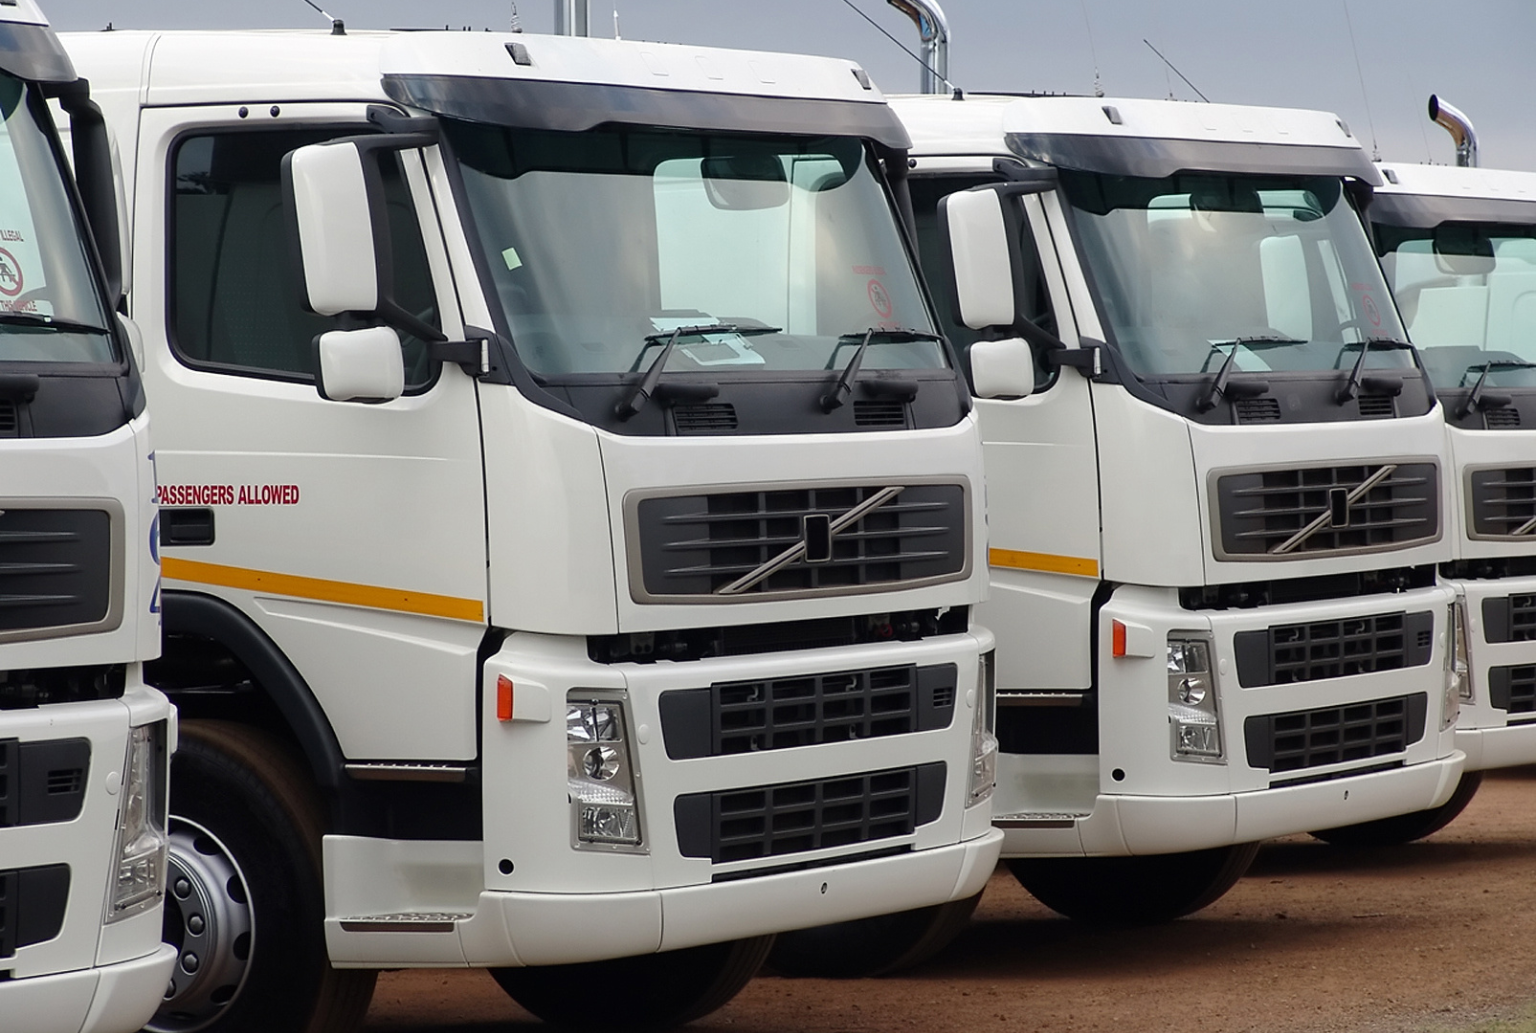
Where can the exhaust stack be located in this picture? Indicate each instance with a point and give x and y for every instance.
(1460, 128)
(933, 30)
(573, 17)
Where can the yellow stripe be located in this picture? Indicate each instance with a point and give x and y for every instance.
(326, 591)
(1043, 561)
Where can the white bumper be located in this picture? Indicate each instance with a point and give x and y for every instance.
(1490, 736)
(110, 999)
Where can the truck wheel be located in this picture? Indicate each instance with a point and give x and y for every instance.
(651, 991)
(244, 904)
(871, 946)
(1405, 828)
(1133, 890)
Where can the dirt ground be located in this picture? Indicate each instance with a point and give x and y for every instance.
(1436, 935)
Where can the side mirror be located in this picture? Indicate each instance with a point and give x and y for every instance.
(360, 365)
(1002, 369)
(977, 236)
(329, 201)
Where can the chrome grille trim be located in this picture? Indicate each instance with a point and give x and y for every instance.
(1501, 503)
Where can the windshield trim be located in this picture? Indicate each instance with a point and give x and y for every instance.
(1160, 157)
(1427, 211)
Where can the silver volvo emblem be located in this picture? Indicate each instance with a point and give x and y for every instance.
(817, 530)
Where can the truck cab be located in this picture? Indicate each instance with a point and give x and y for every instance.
(572, 518)
(84, 742)
(1214, 478)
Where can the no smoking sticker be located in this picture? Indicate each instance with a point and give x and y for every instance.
(878, 298)
(10, 274)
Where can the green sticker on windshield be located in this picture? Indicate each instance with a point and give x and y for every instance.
(509, 256)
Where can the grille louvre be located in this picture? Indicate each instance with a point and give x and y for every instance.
(10, 422)
(1509, 619)
(694, 545)
(1257, 410)
(795, 817)
(1305, 739)
(806, 710)
(55, 567)
(1501, 417)
(705, 418)
(1377, 407)
(1261, 513)
(1513, 689)
(1287, 653)
(1503, 502)
(879, 412)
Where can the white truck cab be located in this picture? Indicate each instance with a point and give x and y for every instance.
(84, 742)
(1458, 246)
(572, 519)
(1214, 477)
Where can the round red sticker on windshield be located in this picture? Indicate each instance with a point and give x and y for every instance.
(1371, 311)
(880, 299)
(10, 274)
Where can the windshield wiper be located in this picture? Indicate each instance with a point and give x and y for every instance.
(1351, 388)
(636, 399)
(844, 386)
(1250, 388)
(34, 322)
(1477, 400)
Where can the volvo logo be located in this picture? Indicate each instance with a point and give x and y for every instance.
(1337, 513)
(817, 530)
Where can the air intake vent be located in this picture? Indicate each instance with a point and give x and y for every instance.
(782, 713)
(1503, 503)
(774, 820)
(750, 544)
(1377, 407)
(882, 412)
(1335, 735)
(1501, 417)
(1513, 689)
(10, 424)
(705, 418)
(1288, 653)
(1291, 513)
(1257, 410)
(55, 567)
(42, 782)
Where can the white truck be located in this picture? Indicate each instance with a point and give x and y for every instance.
(1458, 246)
(1214, 478)
(84, 742)
(571, 518)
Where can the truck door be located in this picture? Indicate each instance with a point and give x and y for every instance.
(352, 534)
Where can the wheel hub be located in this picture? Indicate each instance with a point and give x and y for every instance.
(208, 918)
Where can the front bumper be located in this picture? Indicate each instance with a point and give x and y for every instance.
(1493, 736)
(116, 998)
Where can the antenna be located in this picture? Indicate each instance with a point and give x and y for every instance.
(1098, 82)
(1375, 150)
(939, 76)
(338, 27)
(517, 24)
(616, 22)
(1176, 71)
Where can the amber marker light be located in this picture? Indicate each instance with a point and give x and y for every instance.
(1116, 638)
(503, 698)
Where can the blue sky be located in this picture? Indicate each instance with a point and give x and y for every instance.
(1475, 54)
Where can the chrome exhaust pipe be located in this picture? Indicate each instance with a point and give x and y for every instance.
(933, 30)
(573, 17)
(1460, 128)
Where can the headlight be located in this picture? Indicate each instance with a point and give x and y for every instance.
(600, 777)
(1458, 682)
(983, 741)
(1194, 713)
(138, 882)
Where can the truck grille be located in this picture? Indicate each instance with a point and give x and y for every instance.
(1513, 689)
(55, 567)
(782, 713)
(1287, 653)
(791, 818)
(1318, 509)
(723, 546)
(1511, 619)
(46, 892)
(1503, 502)
(1335, 735)
(42, 782)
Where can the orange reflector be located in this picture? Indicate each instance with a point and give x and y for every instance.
(504, 695)
(1116, 640)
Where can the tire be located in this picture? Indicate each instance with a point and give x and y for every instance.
(1405, 828)
(871, 946)
(648, 992)
(1134, 890)
(244, 895)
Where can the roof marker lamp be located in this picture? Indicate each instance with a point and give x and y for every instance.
(1194, 714)
(600, 776)
(138, 881)
(1458, 682)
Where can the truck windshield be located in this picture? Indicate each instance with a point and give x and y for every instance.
(1468, 294)
(597, 240)
(1188, 263)
(50, 304)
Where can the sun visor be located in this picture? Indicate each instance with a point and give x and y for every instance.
(1425, 211)
(1157, 158)
(576, 107)
(33, 53)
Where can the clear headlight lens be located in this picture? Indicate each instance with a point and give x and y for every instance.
(138, 881)
(1458, 678)
(1194, 713)
(600, 777)
(983, 741)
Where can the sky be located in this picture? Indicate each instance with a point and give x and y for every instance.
(1373, 62)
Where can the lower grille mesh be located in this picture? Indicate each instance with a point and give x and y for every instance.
(1305, 739)
(1288, 653)
(794, 817)
(1513, 689)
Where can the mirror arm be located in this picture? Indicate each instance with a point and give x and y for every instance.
(473, 356)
